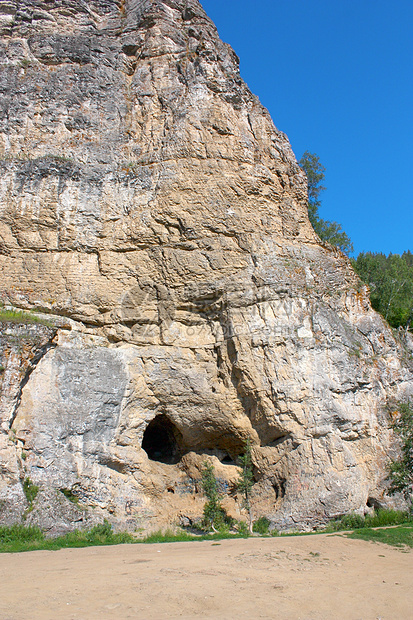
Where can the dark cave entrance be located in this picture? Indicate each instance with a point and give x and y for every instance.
(228, 460)
(161, 440)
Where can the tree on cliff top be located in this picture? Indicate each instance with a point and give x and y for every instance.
(326, 230)
(390, 279)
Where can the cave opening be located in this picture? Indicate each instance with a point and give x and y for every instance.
(279, 487)
(228, 460)
(162, 440)
(372, 502)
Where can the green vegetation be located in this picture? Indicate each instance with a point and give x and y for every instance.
(401, 470)
(21, 538)
(168, 536)
(30, 491)
(381, 518)
(261, 526)
(47, 157)
(18, 538)
(61, 158)
(390, 279)
(243, 529)
(215, 517)
(246, 481)
(24, 63)
(326, 230)
(68, 493)
(399, 536)
(22, 316)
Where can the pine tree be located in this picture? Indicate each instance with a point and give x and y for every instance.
(246, 481)
(326, 230)
(215, 516)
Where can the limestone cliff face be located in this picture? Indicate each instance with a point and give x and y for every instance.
(148, 199)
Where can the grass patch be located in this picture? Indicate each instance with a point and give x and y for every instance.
(21, 316)
(168, 537)
(18, 538)
(21, 538)
(399, 536)
(68, 493)
(381, 518)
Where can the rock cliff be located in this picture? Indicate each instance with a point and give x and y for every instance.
(153, 214)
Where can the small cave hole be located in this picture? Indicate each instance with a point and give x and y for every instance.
(372, 502)
(161, 440)
(278, 441)
(130, 50)
(279, 487)
(227, 460)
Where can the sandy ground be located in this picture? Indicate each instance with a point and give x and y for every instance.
(324, 577)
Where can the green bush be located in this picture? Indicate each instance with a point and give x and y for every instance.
(381, 518)
(103, 534)
(168, 536)
(350, 522)
(261, 526)
(22, 538)
(19, 533)
(243, 529)
(30, 491)
(215, 517)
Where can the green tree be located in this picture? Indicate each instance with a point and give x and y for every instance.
(215, 516)
(401, 470)
(326, 230)
(408, 258)
(390, 279)
(246, 481)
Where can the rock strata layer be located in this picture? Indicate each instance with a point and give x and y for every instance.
(153, 213)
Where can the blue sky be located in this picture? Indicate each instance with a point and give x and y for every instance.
(337, 78)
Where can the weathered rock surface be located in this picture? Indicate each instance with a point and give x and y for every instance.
(147, 198)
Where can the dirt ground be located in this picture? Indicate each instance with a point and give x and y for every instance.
(326, 577)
